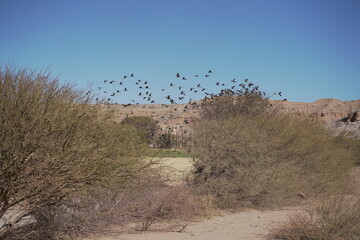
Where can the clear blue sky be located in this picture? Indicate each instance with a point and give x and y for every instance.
(308, 49)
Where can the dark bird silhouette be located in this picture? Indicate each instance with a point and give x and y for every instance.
(145, 82)
(196, 75)
(184, 78)
(118, 91)
(178, 75)
(111, 82)
(136, 83)
(182, 93)
(279, 94)
(125, 90)
(100, 88)
(198, 85)
(147, 87)
(171, 85)
(139, 94)
(132, 75)
(210, 71)
(217, 84)
(113, 94)
(162, 89)
(207, 75)
(246, 80)
(233, 80)
(285, 99)
(105, 81)
(125, 76)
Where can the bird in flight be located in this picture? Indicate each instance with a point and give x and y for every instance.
(132, 75)
(210, 71)
(178, 75)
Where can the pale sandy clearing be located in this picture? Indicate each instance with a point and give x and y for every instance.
(246, 225)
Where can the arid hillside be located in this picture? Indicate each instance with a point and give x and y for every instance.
(326, 110)
(337, 115)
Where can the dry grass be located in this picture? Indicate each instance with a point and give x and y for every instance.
(337, 218)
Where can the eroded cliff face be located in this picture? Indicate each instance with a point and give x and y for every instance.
(335, 114)
(326, 110)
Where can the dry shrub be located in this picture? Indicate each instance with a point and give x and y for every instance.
(148, 202)
(54, 142)
(265, 159)
(337, 218)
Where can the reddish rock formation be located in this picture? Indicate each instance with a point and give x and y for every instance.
(326, 110)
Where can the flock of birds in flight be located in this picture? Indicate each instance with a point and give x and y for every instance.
(112, 88)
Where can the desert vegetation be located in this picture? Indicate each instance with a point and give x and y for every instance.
(145, 126)
(56, 148)
(337, 217)
(67, 169)
(247, 155)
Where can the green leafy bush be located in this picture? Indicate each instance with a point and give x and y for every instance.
(145, 126)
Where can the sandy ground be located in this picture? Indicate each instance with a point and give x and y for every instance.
(176, 169)
(246, 225)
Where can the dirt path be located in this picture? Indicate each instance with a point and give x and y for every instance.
(249, 224)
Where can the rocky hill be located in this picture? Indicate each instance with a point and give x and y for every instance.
(335, 114)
